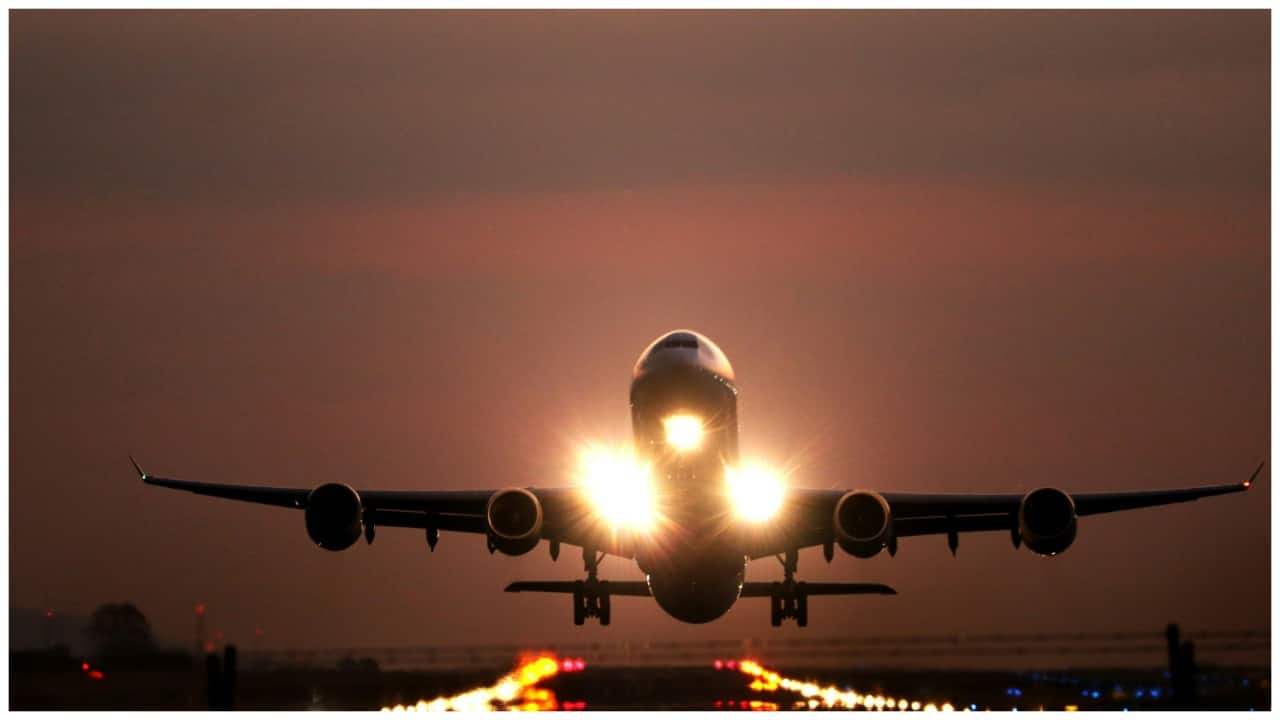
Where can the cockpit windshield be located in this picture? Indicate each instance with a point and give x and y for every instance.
(704, 354)
(678, 341)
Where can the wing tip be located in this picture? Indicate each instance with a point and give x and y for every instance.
(1254, 477)
(141, 474)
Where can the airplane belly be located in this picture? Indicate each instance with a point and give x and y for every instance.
(698, 595)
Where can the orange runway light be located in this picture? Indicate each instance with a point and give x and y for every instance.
(515, 691)
(765, 680)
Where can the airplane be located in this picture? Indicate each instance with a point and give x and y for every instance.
(685, 512)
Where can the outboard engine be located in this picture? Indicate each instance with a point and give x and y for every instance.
(862, 523)
(1047, 521)
(335, 516)
(514, 517)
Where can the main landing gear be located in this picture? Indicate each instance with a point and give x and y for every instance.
(591, 596)
(788, 599)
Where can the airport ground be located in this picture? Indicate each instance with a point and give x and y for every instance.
(661, 678)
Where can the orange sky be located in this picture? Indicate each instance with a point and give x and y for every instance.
(944, 252)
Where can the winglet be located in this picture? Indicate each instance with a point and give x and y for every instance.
(141, 475)
(1249, 483)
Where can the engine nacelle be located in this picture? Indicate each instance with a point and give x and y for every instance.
(1047, 521)
(335, 516)
(862, 523)
(514, 516)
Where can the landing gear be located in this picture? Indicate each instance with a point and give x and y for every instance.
(591, 599)
(788, 599)
(579, 605)
(591, 596)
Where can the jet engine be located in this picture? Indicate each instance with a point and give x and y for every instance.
(1047, 521)
(862, 523)
(514, 516)
(335, 517)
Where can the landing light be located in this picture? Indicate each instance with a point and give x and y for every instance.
(756, 492)
(684, 432)
(619, 486)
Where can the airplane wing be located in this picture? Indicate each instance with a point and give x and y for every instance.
(567, 514)
(809, 514)
(807, 517)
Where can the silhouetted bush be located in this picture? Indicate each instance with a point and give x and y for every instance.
(119, 630)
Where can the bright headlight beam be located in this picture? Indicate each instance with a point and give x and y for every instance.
(684, 432)
(620, 488)
(756, 492)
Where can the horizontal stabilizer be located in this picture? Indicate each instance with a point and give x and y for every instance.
(767, 589)
(631, 588)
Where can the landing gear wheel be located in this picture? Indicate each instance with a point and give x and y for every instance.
(591, 600)
(788, 599)
(579, 607)
(605, 609)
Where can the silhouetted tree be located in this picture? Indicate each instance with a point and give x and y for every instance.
(119, 629)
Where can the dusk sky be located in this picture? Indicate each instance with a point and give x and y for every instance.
(949, 251)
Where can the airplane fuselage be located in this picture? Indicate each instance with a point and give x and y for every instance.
(694, 566)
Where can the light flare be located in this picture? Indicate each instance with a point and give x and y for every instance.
(684, 432)
(620, 487)
(756, 492)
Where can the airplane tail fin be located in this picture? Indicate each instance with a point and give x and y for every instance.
(626, 588)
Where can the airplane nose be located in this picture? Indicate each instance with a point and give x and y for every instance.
(683, 349)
